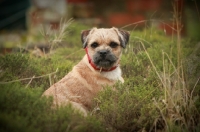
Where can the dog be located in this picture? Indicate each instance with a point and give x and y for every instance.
(98, 68)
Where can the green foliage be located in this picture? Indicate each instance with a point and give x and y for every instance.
(74, 34)
(143, 102)
(14, 65)
(21, 66)
(23, 109)
(129, 107)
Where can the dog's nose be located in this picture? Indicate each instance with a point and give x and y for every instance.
(103, 53)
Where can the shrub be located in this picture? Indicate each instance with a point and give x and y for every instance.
(33, 71)
(149, 100)
(23, 109)
(154, 96)
(129, 107)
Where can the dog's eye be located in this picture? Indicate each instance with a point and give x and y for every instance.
(94, 45)
(113, 44)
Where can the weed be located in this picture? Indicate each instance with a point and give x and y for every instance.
(32, 71)
(25, 110)
(160, 93)
(129, 107)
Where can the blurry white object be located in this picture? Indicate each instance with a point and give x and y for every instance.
(59, 6)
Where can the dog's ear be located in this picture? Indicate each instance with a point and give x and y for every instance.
(123, 36)
(84, 35)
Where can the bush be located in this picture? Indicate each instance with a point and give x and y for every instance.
(129, 107)
(33, 71)
(23, 109)
(153, 98)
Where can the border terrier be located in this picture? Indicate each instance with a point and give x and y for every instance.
(98, 68)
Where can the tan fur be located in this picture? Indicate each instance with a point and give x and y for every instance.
(81, 85)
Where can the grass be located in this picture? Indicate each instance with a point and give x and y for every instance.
(160, 93)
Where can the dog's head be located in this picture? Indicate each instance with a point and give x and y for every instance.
(105, 45)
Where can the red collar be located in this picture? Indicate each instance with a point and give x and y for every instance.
(94, 66)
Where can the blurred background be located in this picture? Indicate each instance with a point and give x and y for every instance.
(27, 16)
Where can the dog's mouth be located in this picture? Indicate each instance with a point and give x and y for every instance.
(104, 61)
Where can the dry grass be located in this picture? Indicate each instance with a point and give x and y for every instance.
(54, 37)
(176, 103)
(178, 108)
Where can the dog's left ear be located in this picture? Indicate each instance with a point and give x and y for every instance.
(84, 35)
(123, 36)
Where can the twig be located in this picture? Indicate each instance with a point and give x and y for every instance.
(197, 9)
(31, 78)
(30, 81)
(154, 67)
(163, 116)
(136, 23)
(74, 53)
(194, 87)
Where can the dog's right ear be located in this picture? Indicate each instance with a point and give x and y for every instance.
(84, 35)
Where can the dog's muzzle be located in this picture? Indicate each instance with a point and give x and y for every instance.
(104, 58)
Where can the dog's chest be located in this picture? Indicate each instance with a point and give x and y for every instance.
(114, 75)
